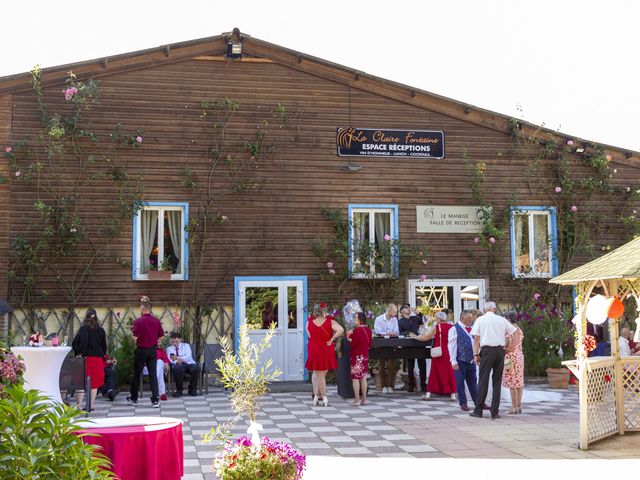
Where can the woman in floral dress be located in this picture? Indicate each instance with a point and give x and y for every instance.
(513, 377)
(360, 338)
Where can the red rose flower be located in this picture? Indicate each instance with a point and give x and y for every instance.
(607, 378)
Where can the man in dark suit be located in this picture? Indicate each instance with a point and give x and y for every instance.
(409, 322)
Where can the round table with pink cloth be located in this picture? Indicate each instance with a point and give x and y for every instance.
(149, 448)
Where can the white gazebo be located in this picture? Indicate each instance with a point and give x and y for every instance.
(609, 386)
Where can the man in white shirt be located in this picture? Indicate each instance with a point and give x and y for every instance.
(387, 325)
(182, 362)
(623, 343)
(461, 355)
(489, 332)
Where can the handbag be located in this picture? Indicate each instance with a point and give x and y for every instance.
(508, 363)
(436, 352)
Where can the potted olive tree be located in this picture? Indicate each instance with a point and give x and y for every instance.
(247, 374)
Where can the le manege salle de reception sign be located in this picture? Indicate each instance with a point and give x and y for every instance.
(379, 142)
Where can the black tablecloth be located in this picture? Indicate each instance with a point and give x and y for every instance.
(381, 348)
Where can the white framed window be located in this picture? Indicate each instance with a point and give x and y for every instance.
(372, 240)
(160, 240)
(534, 242)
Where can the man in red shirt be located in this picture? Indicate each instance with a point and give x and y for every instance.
(146, 330)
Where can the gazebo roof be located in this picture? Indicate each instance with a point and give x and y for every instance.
(623, 262)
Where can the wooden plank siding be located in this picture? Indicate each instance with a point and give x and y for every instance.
(271, 229)
(5, 192)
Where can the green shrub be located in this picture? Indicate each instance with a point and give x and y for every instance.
(124, 354)
(547, 336)
(39, 441)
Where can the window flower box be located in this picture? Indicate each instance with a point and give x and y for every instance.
(159, 274)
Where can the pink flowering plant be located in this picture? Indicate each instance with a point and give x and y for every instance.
(547, 328)
(58, 163)
(11, 370)
(270, 460)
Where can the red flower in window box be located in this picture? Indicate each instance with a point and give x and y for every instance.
(607, 379)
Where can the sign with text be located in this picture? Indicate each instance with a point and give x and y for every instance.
(356, 142)
(448, 219)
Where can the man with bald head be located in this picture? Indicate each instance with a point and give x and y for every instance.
(623, 344)
(489, 333)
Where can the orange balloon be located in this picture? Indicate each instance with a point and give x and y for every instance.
(616, 308)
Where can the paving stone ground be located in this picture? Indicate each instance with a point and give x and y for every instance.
(392, 425)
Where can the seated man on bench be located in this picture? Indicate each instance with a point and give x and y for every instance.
(182, 362)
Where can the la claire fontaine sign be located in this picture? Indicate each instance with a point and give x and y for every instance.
(379, 142)
(448, 219)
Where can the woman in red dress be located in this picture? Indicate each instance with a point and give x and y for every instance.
(322, 331)
(442, 379)
(91, 343)
(360, 339)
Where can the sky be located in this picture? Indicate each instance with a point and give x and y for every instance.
(570, 65)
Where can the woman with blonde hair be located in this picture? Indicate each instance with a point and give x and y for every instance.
(322, 331)
(442, 378)
(513, 376)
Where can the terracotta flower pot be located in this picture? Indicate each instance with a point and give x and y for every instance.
(558, 378)
(159, 275)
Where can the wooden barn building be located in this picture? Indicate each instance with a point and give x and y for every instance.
(256, 177)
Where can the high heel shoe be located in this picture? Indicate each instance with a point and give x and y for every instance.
(325, 401)
(316, 400)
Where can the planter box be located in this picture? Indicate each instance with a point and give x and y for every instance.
(558, 378)
(159, 275)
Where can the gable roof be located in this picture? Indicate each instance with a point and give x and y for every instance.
(255, 49)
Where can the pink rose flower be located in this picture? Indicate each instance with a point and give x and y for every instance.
(329, 264)
(476, 240)
(423, 277)
(139, 139)
(569, 142)
(558, 189)
(609, 158)
(70, 92)
(492, 240)
(7, 149)
(387, 237)
(17, 174)
(574, 208)
(537, 296)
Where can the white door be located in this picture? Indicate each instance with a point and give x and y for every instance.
(279, 300)
(455, 294)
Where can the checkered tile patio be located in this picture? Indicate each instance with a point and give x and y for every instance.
(392, 425)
